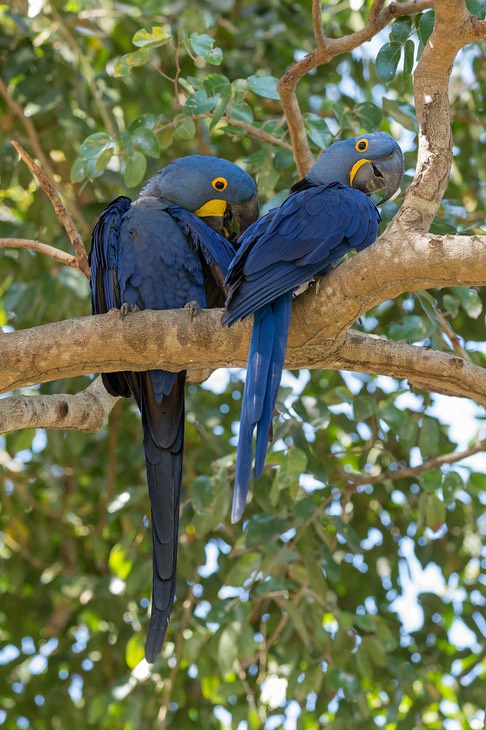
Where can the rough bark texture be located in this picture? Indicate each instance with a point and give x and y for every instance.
(406, 258)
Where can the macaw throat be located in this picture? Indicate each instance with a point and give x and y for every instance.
(355, 169)
(212, 207)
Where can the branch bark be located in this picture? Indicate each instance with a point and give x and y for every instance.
(44, 248)
(60, 210)
(319, 335)
(85, 411)
(327, 49)
(409, 472)
(454, 28)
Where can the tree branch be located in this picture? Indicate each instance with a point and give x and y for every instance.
(454, 28)
(85, 411)
(327, 49)
(55, 253)
(415, 471)
(318, 338)
(430, 370)
(60, 210)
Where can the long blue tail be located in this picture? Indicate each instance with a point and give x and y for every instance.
(265, 363)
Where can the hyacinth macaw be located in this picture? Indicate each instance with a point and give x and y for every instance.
(327, 214)
(167, 249)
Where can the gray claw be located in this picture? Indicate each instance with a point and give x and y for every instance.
(127, 308)
(194, 309)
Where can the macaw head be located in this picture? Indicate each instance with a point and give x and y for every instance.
(370, 162)
(212, 188)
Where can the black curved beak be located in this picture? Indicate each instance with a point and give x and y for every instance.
(245, 213)
(382, 174)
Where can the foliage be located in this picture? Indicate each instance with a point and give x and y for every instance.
(307, 595)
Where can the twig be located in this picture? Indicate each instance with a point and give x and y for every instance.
(55, 253)
(256, 132)
(452, 336)
(413, 471)
(59, 209)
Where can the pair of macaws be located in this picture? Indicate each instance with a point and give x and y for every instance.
(176, 245)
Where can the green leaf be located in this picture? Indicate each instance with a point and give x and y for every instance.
(432, 511)
(412, 328)
(203, 46)
(242, 112)
(477, 8)
(368, 115)
(451, 303)
(228, 648)
(264, 527)
(124, 64)
(202, 494)
(428, 304)
(318, 131)
(429, 437)
(426, 26)
(103, 159)
(135, 169)
(144, 120)
(452, 484)
(264, 86)
(364, 407)
(387, 61)
(83, 168)
(134, 652)
(242, 569)
(402, 112)
(158, 36)
(408, 58)
(185, 130)
(95, 144)
(214, 57)
(431, 481)
(119, 562)
(469, 299)
(400, 30)
(146, 141)
(198, 103)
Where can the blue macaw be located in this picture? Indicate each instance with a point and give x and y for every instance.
(166, 250)
(326, 215)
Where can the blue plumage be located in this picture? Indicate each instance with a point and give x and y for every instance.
(326, 215)
(161, 252)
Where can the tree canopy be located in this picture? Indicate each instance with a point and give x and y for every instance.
(351, 595)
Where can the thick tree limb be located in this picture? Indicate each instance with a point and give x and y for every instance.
(430, 370)
(327, 49)
(55, 253)
(319, 335)
(59, 209)
(454, 28)
(85, 411)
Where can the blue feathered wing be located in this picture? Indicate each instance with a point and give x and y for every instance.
(312, 230)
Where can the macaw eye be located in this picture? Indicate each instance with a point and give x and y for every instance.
(219, 183)
(361, 145)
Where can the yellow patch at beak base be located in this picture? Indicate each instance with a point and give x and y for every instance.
(355, 169)
(212, 207)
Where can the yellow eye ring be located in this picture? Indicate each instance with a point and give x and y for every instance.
(361, 145)
(219, 184)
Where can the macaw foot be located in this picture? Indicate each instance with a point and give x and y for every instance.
(194, 309)
(127, 308)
